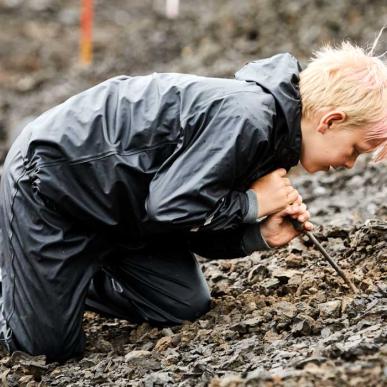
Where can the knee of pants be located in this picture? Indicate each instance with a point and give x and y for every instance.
(56, 351)
(193, 308)
(54, 344)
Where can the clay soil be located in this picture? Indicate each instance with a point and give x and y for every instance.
(279, 318)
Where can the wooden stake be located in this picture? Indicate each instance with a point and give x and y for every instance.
(86, 44)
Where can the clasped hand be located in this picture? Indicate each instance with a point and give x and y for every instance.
(278, 200)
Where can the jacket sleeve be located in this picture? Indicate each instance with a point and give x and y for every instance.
(241, 242)
(195, 188)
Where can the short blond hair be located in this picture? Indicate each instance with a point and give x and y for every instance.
(353, 80)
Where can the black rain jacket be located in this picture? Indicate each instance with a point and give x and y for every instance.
(167, 158)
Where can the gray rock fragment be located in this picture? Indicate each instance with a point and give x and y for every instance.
(330, 309)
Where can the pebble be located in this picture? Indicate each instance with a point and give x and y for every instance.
(137, 355)
(330, 309)
(303, 325)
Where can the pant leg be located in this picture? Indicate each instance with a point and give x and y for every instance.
(47, 264)
(165, 287)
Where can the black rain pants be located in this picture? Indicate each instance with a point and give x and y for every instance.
(52, 268)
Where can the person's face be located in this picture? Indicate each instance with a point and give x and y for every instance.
(325, 145)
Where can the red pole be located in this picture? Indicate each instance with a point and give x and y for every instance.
(86, 45)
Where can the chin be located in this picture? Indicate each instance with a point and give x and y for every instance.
(310, 168)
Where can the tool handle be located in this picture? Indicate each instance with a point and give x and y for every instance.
(298, 226)
(339, 271)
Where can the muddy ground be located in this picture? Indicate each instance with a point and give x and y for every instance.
(279, 318)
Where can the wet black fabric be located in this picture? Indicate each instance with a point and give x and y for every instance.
(166, 152)
(162, 288)
(51, 265)
(136, 163)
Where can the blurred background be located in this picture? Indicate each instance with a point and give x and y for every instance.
(40, 62)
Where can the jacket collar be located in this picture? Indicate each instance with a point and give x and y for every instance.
(279, 75)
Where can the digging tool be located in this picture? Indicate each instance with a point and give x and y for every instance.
(298, 226)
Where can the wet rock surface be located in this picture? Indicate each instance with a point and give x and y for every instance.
(281, 317)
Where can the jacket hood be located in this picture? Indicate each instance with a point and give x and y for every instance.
(279, 75)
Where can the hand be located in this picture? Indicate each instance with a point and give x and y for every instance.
(277, 230)
(274, 192)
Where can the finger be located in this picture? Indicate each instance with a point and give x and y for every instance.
(294, 208)
(286, 182)
(304, 217)
(292, 196)
(294, 212)
(308, 226)
(299, 199)
(287, 211)
(289, 189)
(281, 172)
(302, 208)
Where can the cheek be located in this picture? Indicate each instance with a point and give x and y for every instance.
(326, 154)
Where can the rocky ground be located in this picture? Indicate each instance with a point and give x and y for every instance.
(279, 318)
(39, 55)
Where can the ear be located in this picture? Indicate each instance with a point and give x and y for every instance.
(329, 120)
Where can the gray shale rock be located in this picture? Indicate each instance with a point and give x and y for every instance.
(330, 309)
(252, 336)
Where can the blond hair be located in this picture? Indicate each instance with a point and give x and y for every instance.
(353, 80)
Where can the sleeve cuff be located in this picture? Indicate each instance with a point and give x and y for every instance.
(252, 240)
(252, 212)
